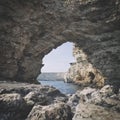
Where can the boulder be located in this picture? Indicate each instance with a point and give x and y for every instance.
(73, 101)
(36, 97)
(103, 97)
(86, 111)
(107, 90)
(57, 111)
(17, 99)
(13, 107)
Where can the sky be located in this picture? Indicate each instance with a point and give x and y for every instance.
(58, 59)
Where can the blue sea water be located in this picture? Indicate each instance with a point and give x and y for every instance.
(66, 88)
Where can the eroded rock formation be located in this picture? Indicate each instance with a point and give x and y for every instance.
(17, 100)
(91, 104)
(82, 71)
(29, 29)
(58, 111)
(23, 101)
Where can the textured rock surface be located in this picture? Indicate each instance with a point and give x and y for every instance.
(13, 107)
(31, 29)
(95, 104)
(93, 112)
(20, 101)
(17, 100)
(82, 71)
(104, 97)
(58, 111)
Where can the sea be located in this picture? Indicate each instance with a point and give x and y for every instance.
(66, 88)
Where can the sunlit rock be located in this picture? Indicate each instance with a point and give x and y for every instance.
(58, 111)
(82, 71)
(93, 112)
(106, 99)
(18, 99)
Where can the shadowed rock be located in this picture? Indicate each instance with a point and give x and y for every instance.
(31, 29)
(17, 99)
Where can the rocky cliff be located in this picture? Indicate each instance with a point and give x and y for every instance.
(29, 29)
(82, 71)
(51, 76)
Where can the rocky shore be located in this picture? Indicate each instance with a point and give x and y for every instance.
(23, 101)
(30, 29)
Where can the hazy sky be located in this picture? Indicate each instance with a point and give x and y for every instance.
(58, 59)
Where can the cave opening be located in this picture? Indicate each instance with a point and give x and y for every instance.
(69, 63)
(55, 66)
(59, 59)
(30, 29)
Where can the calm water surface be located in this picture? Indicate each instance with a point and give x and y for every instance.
(66, 88)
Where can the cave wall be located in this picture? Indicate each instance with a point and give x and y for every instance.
(29, 29)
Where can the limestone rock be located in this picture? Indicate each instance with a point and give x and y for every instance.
(93, 112)
(31, 29)
(101, 96)
(82, 71)
(13, 106)
(17, 99)
(36, 97)
(107, 90)
(107, 98)
(20, 101)
(73, 101)
(58, 111)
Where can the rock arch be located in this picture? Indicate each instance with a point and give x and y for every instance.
(30, 29)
